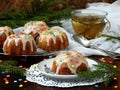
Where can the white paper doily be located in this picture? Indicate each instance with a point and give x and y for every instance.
(34, 75)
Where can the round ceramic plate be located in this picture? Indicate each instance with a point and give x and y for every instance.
(45, 68)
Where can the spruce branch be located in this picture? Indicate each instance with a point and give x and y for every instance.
(103, 71)
(11, 67)
(109, 37)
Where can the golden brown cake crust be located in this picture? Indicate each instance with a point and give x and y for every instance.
(64, 70)
(54, 66)
(2, 39)
(82, 67)
(4, 34)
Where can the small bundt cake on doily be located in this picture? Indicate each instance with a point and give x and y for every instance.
(19, 44)
(52, 40)
(4, 32)
(35, 27)
(68, 63)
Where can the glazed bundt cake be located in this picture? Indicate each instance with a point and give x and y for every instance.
(4, 32)
(68, 63)
(52, 40)
(19, 44)
(35, 27)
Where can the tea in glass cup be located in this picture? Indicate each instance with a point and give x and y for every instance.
(88, 22)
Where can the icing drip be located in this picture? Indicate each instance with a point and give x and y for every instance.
(72, 58)
(62, 57)
(5, 30)
(61, 38)
(23, 37)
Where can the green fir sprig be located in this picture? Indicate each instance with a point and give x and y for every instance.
(42, 11)
(109, 37)
(11, 67)
(103, 71)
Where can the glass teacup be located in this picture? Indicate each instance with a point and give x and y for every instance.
(89, 22)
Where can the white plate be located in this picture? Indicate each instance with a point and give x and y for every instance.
(48, 62)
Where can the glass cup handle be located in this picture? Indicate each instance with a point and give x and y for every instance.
(107, 26)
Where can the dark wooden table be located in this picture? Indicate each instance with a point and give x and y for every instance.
(27, 62)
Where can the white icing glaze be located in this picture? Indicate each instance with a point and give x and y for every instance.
(24, 38)
(35, 27)
(61, 38)
(51, 34)
(5, 30)
(72, 58)
(62, 57)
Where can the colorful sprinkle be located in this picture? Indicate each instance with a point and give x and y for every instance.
(5, 79)
(65, 61)
(75, 58)
(102, 59)
(96, 86)
(76, 61)
(53, 35)
(8, 75)
(20, 85)
(3, 72)
(20, 66)
(60, 60)
(15, 81)
(50, 56)
(7, 82)
(110, 62)
(115, 86)
(30, 36)
(4, 30)
(20, 79)
(22, 36)
(56, 64)
(12, 35)
(114, 66)
(71, 60)
(25, 68)
(73, 66)
(0, 60)
(115, 78)
(25, 81)
(44, 59)
(33, 66)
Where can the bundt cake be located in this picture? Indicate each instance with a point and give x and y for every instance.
(68, 63)
(35, 27)
(19, 44)
(4, 32)
(52, 40)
